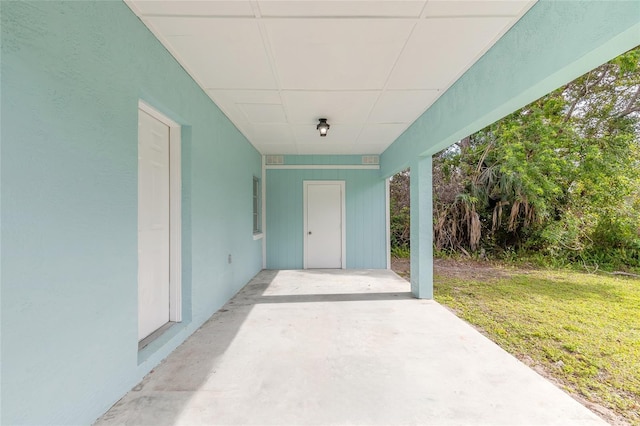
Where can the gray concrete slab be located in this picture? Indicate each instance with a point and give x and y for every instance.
(340, 348)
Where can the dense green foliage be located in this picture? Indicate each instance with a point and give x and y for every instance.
(558, 179)
(400, 214)
(582, 329)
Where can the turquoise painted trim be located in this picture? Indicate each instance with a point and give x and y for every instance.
(555, 42)
(324, 167)
(365, 212)
(323, 159)
(72, 74)
(422, 228)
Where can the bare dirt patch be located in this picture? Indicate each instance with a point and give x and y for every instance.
(452, 268)
(402, 267)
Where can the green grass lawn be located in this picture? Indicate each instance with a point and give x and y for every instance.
(581, 329)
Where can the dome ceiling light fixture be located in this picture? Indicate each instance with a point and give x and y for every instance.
(323, 127)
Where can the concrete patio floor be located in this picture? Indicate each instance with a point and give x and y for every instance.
(333, 347)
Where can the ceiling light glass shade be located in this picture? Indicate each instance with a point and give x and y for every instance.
(323, 127)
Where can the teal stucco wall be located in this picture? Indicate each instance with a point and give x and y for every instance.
(71, 77)
(365, 203)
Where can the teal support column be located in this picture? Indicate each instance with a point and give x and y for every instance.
(422, 228)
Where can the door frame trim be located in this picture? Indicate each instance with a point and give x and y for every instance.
(343, 208)
(175, 210)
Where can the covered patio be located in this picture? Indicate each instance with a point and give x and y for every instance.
(157, 155)
(341, 347)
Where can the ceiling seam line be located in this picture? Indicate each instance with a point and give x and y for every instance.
(322, 17)
(386, 83)
(266, 43)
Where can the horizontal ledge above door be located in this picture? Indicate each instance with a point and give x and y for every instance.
(322, 167)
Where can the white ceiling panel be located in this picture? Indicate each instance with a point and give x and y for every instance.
(210, 28)
(195, 8)
(264, 113)
(379, 134)
(336, 54)
(246, 96)
(440, 50)
(461, 8)
(217, 60)
(342, 8)
(231, 102)
(272, 134)
(306, 107)
(370, 67)
(221, 65)
(402, 106)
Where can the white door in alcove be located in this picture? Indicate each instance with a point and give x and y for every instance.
(324, 224)
(153, 224)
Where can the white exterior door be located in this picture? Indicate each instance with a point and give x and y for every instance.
(153, 224)
(324, 224)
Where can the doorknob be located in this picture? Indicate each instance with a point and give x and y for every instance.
(309, 232)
